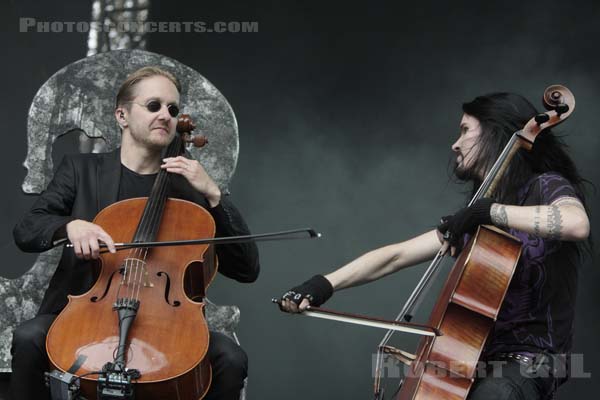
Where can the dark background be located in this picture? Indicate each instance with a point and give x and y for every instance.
(346, 115)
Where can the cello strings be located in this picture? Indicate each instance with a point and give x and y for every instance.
(143, 272)
(156, 212)
(149, 224)
(494, 169)
(132, 262)
(123, 275)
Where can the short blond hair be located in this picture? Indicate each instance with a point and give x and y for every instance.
(126, 91)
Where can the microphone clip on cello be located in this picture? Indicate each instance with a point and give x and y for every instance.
(116, 382)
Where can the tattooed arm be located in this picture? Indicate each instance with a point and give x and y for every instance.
(564, 219)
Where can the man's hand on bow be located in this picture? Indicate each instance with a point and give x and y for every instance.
(86, 237)
(315, 291)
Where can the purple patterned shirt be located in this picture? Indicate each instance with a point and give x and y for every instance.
(539, 307)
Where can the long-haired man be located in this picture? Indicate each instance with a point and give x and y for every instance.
(540, 200)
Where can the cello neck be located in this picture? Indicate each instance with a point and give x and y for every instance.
(490, 183)
(149, 224)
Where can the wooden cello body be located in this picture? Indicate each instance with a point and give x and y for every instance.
(444, 367)
(139, 321)
(464, 312)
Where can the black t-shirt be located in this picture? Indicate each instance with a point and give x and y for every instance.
(135, 185)
(538, 311)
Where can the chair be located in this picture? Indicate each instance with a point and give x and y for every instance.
(80, 99)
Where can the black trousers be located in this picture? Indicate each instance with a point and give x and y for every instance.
(29, 362)
(511, 381)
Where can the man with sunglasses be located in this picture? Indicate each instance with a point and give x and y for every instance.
(146, 110)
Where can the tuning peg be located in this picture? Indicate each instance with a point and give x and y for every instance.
(195, 140)
(561, 108)
(541, 118)
(199, 140)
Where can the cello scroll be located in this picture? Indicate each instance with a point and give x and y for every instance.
(560, 103)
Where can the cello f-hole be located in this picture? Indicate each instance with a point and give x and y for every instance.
(176, 303)
(95, 299)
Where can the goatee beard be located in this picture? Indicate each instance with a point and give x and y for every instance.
(464, 175)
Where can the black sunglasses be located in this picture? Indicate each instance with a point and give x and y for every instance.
(155, 106)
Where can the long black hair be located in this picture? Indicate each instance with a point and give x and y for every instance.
(502, 114)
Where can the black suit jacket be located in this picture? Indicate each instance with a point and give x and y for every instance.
(83, 185)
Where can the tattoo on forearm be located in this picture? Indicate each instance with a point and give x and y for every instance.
(536, 221)
(569, 201)
(554, 223)
(499, 217)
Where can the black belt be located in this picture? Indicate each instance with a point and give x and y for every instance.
(522, 358)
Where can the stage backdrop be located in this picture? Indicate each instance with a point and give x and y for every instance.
(346, 115)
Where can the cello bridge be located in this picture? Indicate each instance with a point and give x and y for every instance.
(134, 270)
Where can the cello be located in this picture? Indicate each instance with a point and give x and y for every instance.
(444, 366)
(127, 328)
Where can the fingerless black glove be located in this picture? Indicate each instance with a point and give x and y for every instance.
(317, 290)
(466, 220)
